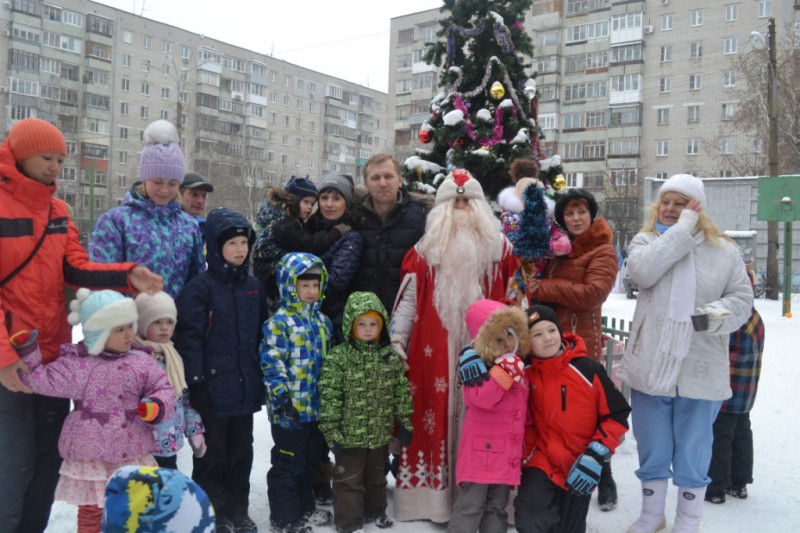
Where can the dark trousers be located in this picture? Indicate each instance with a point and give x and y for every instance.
(167, 461)
(359, 487)
(542, 506)
(295, 458)
(480, 507)
(30, 425)
(732, 452)
(224, 471)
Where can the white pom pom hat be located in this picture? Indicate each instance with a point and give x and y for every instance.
(99, 312)
(162, 157)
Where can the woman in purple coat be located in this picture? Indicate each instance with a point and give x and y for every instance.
(118, 392)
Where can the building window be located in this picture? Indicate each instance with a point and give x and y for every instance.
(666, 53)
(692, 146)
(126, 60)
(695, 51)
(729, 110)
(729, 78)
(123, 109)
(693, 113)
(145, 88)
(405, 37)
(665, 84)
(764, 8)
(662, 115)
(144, 111)
(695, 82)
(731, 45)
(165, 114)
(731, 12)
(666, 22)
(148, 42)
(662, 147)
(696, 17)
(728, 145)
(123, 158)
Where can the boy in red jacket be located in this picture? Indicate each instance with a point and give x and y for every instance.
(578, 421)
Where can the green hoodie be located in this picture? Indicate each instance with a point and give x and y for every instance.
(363, 386)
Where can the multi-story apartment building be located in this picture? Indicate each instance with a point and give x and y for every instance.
(246, 120)
(628, 89)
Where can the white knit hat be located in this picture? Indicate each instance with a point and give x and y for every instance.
(152, 307)
(459, 182)
(99, 312)
(687, 185)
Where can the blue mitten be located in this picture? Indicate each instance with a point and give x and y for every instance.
(585, 472)
(471, 368)
(287, 415)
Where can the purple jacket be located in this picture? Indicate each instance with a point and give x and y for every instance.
(106, 390)
(492, 437)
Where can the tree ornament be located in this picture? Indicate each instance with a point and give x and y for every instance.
(425, 136)
(559, 183)
(530, 88)
(497, 90)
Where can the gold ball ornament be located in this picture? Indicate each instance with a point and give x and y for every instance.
(559, 183)
(497, 91)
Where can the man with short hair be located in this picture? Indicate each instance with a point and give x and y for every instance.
(193, 192)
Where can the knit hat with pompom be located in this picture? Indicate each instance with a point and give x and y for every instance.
(152, 307)
(98, 312)
(162, 157)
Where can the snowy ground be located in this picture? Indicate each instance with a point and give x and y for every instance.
(774, 502)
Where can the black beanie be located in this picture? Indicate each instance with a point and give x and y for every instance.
(234, 231)
(571, 195)
(537, 313)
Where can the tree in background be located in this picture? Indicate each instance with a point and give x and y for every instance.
(485, 117)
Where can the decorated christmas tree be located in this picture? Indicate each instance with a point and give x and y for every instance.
(485, 115)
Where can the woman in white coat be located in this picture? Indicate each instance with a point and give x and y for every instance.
(678, 376)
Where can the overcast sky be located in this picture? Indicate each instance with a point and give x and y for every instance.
(322, 35)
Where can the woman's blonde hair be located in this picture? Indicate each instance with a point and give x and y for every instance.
(141, 190)
(705, 223)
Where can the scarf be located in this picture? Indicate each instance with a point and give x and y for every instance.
(677, 331)
(172, 362)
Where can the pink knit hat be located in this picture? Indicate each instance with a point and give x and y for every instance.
(478, 313)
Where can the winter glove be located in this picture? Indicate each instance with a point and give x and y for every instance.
(512, 365)
(404, 435)
(585, 472)
(198, 398)
(24, 342)
(198, 445)
(471, 368)
(716, 316)
(688, 220)
(287, 415)
(149, 410)
(336, 449)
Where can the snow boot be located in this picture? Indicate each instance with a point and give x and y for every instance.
(606, 489)
(654, 498)
(690, 510)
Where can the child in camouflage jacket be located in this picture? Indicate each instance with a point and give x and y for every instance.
(363, 392)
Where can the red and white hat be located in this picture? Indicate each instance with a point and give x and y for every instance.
(459, 183)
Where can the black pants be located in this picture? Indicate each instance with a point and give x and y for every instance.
(30, 426)
(295, 458)
(359, 487)
(167, 461)
(224, 471)
(542, 506)
(732, 452)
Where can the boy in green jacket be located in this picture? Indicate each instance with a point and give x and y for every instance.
(363, 392)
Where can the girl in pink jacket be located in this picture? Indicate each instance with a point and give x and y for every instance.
(491, 445)
(118, 392)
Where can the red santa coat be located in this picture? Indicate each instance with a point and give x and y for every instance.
(426, 475)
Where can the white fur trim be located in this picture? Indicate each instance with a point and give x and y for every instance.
(508, 200)
(115, 314)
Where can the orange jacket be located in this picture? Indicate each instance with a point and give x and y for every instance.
(34, 297)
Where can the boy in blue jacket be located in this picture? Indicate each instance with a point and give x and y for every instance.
(295, 340)
(220, 313)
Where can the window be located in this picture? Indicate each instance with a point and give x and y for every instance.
(73, 19)
(665, 84)
(127, 37)
(623, 146)
(98, 24)
(631, 52)
(165, 93)
(143, 111)
(662, 115)
(728, 145)
(625, 115)
(146, 65)
(666, 53)
(692, 146)
(695, 51)
(729, 78)
(626, 21)
(696, 17)
(145, 88)
(695, 81)
(404, 86)
(595, 119)
(693, 113)
(662, 147)
(165, 114)
(573, 121)
(405, 37)
(729, 110)
(623, 176)
(594, 150)
(123, 109)
(666, 22)
(123, 132)
(764, 8)
(731, 12)
(731, 45)
(427, 34)
(547, 38)
(123, 158)
(167, 49)
(126, 60)
(148, 42)
(625, 82)
(758, 145)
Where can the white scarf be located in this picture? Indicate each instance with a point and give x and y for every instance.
(173, 363)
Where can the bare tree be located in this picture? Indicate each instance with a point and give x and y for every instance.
(622, 203)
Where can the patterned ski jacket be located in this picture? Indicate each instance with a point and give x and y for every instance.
(363, 386)
(745, 349)
(295, 341)
(164, 238)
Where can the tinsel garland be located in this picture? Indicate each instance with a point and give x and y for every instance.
(497, 138)
(464, 32)
(485, 82)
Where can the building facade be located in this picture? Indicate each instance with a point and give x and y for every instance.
(246, 120)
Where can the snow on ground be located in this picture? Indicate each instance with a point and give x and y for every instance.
(774, 502)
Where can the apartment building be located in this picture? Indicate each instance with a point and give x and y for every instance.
(246, 120)
(628, 88)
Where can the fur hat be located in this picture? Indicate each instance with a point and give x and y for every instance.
(537, 313)
(343, 183)
(99, 312)
(573, 195)
(301, 188)
(162, 157)
(687, 185)
(459, 182)
(33, 136)
(152, 307)
(488, 319)
(151, 499)
(524, 168)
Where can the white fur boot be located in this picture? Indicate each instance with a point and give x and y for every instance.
(654, 497)
(690, 510)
